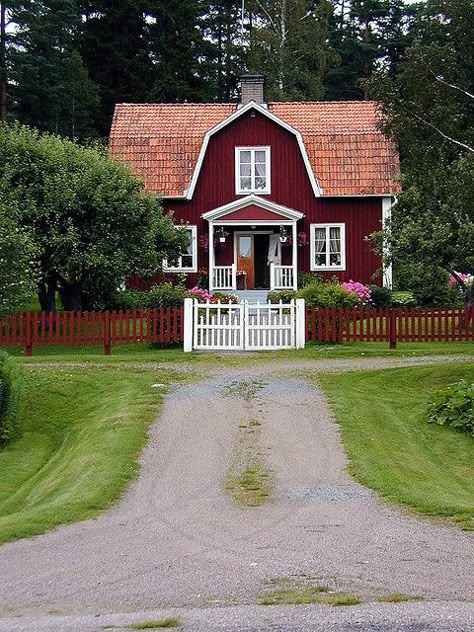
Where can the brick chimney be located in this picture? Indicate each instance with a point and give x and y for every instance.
(251, 88)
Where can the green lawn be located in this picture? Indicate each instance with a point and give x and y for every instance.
(391, 446)
(82, 433)
(144, 353)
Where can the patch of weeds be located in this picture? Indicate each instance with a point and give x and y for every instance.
(251, 488)
(399, 598)
(302, 595)
(296, 596)
(340, 599)
(170, 622)
(246, 389)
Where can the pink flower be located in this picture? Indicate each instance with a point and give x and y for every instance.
(363, 292)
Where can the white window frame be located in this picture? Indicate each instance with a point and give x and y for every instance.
(268, 189)
(327, 267)
(179, 268)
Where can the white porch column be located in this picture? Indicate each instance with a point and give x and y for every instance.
(295, 256)
(211, 255)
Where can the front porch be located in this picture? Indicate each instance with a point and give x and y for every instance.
(252, 246)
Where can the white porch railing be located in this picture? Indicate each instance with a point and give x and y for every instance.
(224, 278)
(281, 277)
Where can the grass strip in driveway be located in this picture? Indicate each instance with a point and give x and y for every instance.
(82, 433)
(391, 446)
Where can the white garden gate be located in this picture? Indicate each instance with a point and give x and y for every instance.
(243, 326)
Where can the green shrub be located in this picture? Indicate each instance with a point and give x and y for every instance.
(160, 296)
(429, 284)
(309, 278)
(403, 299)
(381, 296)
(10, 396)
(454, 407)
(328, 294)
(285, 296)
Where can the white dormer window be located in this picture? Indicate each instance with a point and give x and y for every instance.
(252, 170)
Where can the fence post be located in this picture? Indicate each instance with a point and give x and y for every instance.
(29, 344)
(393, 329)
(188, 325)
(107, 333)
(300, 324)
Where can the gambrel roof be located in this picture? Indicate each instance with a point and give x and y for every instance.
(344, 151)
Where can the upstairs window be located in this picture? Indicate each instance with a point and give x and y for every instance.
(252, 170)
(187, 260)
(328, 248)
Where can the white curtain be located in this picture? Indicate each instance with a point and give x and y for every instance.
(274, 250)
(335, 245)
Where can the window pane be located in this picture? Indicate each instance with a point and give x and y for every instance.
(245, 157)
(260, 170)
(260, 183)
(173, 262)
(187, 261)
(261, 156)
(245, 247)
(245, 170)
(335, 246)
(245, 184)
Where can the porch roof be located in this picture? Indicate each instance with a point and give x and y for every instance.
(253, 209)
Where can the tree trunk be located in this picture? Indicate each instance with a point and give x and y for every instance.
(3, 62)
(47, 295)
(71, 297)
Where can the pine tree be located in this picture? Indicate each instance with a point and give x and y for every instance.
(116, 51)
(40, 56)
(176, 47)
(223, 47)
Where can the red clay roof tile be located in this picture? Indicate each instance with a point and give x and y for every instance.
(347, 152)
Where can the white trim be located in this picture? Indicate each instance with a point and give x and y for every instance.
(267, 205)
(387, 273)
(327, 226)
(172, 270)
(317, 190)
(268, 175)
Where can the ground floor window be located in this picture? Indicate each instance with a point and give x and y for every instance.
(187, 260)
(328, 247)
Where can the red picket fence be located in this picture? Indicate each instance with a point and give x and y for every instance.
(391, 325)
(108, 328)
(166, 326)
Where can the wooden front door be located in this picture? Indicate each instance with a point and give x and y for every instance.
(246, 259)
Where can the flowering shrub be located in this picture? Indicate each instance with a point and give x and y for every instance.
(467, 278)
(364, 293)
(203, 296)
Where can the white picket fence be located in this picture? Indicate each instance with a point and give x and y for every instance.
(243, 326)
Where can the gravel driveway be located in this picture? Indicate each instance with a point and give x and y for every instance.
(177, 540)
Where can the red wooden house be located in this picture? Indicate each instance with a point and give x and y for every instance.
(266, 190)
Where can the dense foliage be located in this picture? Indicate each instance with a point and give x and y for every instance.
(10, 398)
(91, 222)
(17, 267)
(428, 105)
(454, 407)
(65, 63)
(328, 294)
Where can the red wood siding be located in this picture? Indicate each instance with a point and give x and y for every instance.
(290, 187)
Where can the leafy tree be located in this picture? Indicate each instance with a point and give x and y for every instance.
(428, 109)
(16, 263)
(91, 221)
(289, 44)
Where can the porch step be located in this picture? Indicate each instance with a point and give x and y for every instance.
(252, 296)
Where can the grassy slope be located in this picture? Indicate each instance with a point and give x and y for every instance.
(82, 434)
(391, 446)
(144, 353)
